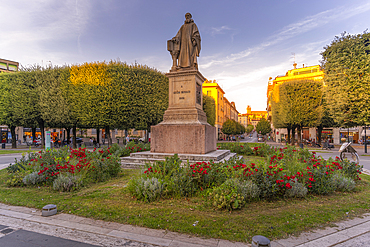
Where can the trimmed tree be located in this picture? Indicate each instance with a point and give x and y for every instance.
(228, 127)
(300, 105)
(263, 127)
(346, 63)
(209, 108)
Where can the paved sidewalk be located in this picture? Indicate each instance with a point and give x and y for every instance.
(350, 233)
(98, 232)
(355, 232)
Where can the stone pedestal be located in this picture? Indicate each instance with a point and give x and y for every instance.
(184, 129)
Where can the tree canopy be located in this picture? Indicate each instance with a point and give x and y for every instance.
(209, 108)
(94, 95)
(232, 127)
(297, 103)
(346, 63)
(263, 127)
(249, 128)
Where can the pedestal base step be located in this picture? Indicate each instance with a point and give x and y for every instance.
(138, 160)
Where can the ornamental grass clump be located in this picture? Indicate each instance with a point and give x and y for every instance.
(146, 189)
(67, 182)
(342, 183)
(298, 190)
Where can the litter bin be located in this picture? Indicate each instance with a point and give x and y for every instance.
(3, 145)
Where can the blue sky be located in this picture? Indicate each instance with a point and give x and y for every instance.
(243, 42)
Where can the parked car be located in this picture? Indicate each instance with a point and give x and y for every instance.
(260, 138)
(78, 141)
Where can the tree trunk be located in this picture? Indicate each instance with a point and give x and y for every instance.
(98, 137)
(293, 136)
(299, 139)
(74, 132)
(319, 130)
(42, 129)
(107, 135)
(14, 141)
(68, 135)
(33, 134)
(288, 138)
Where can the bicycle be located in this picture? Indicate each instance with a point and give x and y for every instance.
(349, 153)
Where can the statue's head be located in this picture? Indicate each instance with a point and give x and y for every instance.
(188, 16)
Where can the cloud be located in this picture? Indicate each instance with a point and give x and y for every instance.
(244, 79)
(219, 30)
(31, 28)
(307, 24)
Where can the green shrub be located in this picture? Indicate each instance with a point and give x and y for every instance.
(320, 181)
(147, 189)
(22, 164)
(16, 178)
(68, 182)
(228, 195)
(131, 147)
(103, 169)
(17, 167)
(236, 147)
(351, 169)
(267, 184)
(342, 183)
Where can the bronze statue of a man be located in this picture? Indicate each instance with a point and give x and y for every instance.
(188, 40)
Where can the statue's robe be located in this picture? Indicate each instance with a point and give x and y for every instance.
(188, 52)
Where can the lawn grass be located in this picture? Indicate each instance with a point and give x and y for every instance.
(253, 159)
(111, 201)
(2, 151)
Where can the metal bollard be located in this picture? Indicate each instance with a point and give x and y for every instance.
(49, 210)
(260, 241)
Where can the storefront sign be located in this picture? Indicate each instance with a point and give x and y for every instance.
(327, 132)
(348, 129)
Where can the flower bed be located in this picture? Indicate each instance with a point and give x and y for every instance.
(64, 169)
(245, 148)
(131, 147)
(287, 172)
